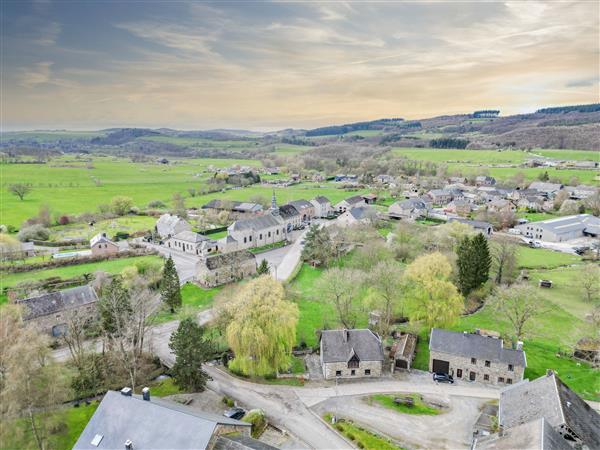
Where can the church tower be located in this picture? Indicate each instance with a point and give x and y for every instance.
(274, 209)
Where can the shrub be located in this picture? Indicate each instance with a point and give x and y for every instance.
(156, 204)
(258, 420)
(121, 235)
(121, 205)
(34, 233)
(228, 401)
(63, 220)
(350, 436)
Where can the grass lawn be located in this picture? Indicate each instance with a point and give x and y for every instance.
(70, 423)
(298, 366)
(265, 248)
(361, 437)
(572, 155)
(419, 407)
(531, 174)
(541, 258)
(111, 266)
(194, 299)
(164, 388)
(127, 224)
(536, 216)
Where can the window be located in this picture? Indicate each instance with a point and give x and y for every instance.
(487, 364)
(277, 232)
(244, 240)
(458, 373)
(509, 381)
(511, 367)
(353, 372)
(486, 377)
(250, 238)
(269, 234)
(500, 379)
(367, 371)
(473, 360)
(338, 373)
(260, 236)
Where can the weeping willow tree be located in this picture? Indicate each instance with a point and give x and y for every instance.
(262, 330)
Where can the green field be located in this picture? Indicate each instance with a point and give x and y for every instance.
(419, 407)
(462, 156)
(127, 224)
(569, 155)
(530, 174)
(364, 133)
(361, 437)
(50, 136)
(194, 299)
(110, 266)
(71, 187)
(541, 258)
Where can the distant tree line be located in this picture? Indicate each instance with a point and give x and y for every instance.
(594, 107)
(486, 113)
(347, 128)
(447, 142)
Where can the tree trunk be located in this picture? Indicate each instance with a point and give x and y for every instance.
(34, 430)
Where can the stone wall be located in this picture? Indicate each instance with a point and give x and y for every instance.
(223, 275)
(329, 370)
(494, 372)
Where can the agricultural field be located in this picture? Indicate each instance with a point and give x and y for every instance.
(541, 258)
(71, 186)
(126, 224)
(51, 136)
(569, 155)
(462, 156)
(530, 174)
(203, 142)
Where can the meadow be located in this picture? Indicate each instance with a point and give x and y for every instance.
(462, 156)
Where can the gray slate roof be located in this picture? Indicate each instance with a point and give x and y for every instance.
(257, 223)
(100, 238)
(287, 211)
(53, 302)
(340, 345)
(550, 398)
(354, 200)
(477, 224)
(240, 442)
(535, 435)
(301, 204)
(227, 259)
(569, 223)
(191, 236)
(154, 424)
(471, 345)
(322, 200)
(412, 203)
(233, 206)
(362, 212)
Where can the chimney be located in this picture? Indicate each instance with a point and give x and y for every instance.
(126, 391)
(128, 444)
(549, 372)
(345, 335)
(520, 345)
(146, 394)
(477, 331)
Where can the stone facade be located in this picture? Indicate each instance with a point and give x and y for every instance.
(496, 373)
(225, 268)
(364, 369)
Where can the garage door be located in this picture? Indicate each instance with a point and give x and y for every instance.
(441, 366)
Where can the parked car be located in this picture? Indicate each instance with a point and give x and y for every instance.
(440, 377)
(235, 413)
(535, 244)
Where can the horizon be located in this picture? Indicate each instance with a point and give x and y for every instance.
(267, 66)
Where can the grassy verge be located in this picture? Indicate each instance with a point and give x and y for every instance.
(361, 437)
(268, 247)
(419, 407)
(194, 299)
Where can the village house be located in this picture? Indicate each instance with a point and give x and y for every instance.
(305, 208)
(440, 196)
(411, 209)
(341, 178)
(127, 421)
(225, 268)
(459, 207)
(359, 215)
(530, 202)
(581, 192)
(370, 199)
(100, 245)
(351, 354)
(235, 208)
(291, 217)
(548, 190)
(500, 206)
(562, 229)
(478, 225)
(258, 231)
(322, 206)
(475, 357)
(169, 225)
(550, 399)
(485, 181)
(385, 179)
(193, 243)
(50, 312)
(351, 202)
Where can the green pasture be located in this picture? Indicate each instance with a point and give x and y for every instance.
(462, 156)
(541, 258)
(50, 136)
(530, 173)
(126, 224)
(569, 155)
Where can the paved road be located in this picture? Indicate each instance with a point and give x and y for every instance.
(291, 259)
(185, 263)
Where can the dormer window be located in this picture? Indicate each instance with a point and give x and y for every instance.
(353, 362)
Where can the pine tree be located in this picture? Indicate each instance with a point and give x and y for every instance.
(191, 348)
(483, 259)
(473, 263)
(114, 304)
(169, 289)
(263, 268)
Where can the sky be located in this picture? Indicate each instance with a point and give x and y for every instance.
(270, 65)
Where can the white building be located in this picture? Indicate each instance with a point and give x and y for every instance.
(562, 229)
(169, 225)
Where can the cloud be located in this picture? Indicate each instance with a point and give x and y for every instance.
(583, 82)
(37, 74)
(47, 33)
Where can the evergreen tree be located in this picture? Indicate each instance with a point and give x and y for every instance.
(114, 303)
(191, 348)
(169, 289)
(473, 263)
(263, 268)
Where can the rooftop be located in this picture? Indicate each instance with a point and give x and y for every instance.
(53, 302)
(340, 345)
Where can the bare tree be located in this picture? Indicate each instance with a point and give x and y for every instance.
(75, 337)
(589, 282)
(519, 304)
(504, 259)
(20, 190)
(340, 288)
(386, 292)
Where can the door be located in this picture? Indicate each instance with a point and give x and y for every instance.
(441, 366)
(472, 376)
(401, 364)
(458, 373)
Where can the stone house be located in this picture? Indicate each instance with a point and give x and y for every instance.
(169, 225)
(225, 268)
(475, 357)
(322, 206)
(485, 181)
(102, 246)
(550, 399)
(350, 202)
(350, 354)
(440, 196)
(548, 190)
(305, 208)
(50, 312)
(193, 243)
(460, 207)
(258, 231)
(127, 421)
(358, 215)
(411, 209)
(530, 202)
(500, 206)
(291, 217)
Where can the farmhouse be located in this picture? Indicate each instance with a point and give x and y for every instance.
(193, 243)
(562, 228)
(440, 196)
(412, 209)
(50, 312)
(258, 231)
(460, 207)
(351, 354)
(291, 217)
(475, 357)
(485, 181)
(225, 268)
(239, 209)
(102, 246)
(322, 206)
(358, 215)
(549, 190)
(550, 399)
(169, 225)
(305, 208)
(127, 421)
(351, 202)
(478, 225)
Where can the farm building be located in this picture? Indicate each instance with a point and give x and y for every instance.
(169, 225)
(562, 229)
